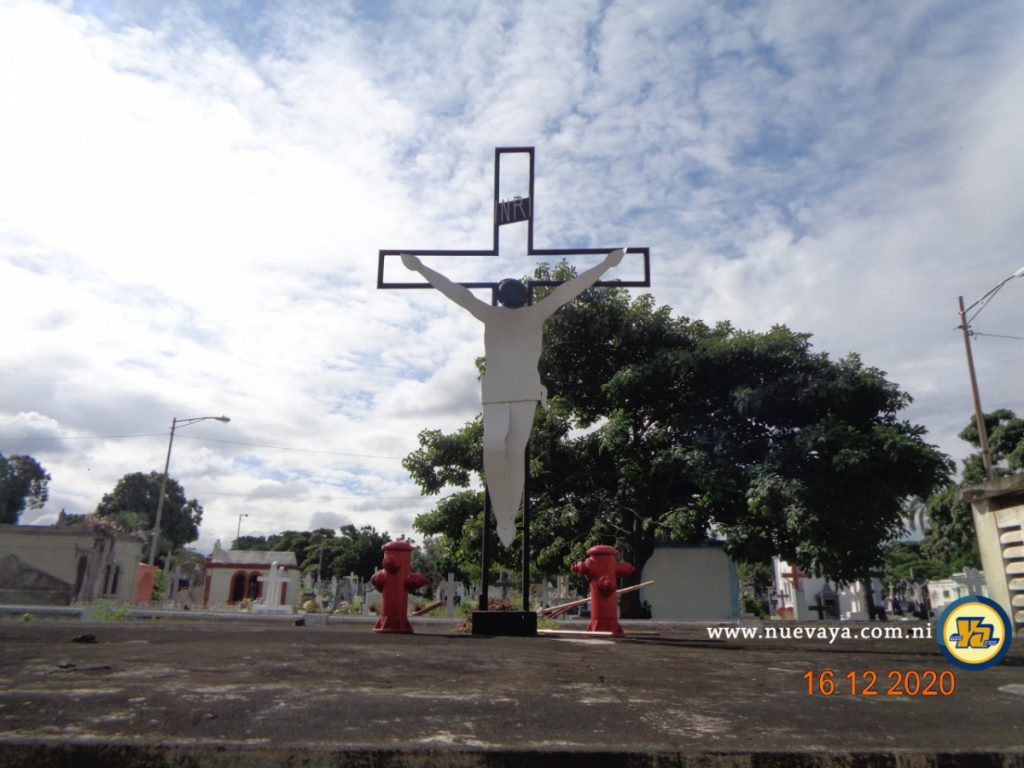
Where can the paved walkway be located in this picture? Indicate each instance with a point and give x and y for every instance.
(226, 694)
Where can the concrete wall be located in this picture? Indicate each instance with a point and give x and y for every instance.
(691, 583)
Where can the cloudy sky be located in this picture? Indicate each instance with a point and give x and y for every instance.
(192, 197)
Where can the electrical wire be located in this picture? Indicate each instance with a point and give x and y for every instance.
(208, 440)
(288, 448)
(85, 437)
(997, 335)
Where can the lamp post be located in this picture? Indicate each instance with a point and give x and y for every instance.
(965, 325)
(238, 533)
(175, 422)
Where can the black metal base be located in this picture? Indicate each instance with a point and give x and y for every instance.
(505, 623)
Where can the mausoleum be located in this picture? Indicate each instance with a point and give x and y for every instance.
(234, 575)
(691, 583)
(65, 564)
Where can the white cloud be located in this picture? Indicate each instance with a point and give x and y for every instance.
(192, 198)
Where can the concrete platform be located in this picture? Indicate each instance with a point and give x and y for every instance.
(226, 694)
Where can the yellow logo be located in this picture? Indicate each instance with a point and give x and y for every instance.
(974, 632)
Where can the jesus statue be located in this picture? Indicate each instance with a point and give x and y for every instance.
(511, 386)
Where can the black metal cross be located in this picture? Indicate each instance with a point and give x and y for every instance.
(512, 211)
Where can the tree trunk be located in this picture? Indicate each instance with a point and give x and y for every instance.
(630, 604)
(869, 598)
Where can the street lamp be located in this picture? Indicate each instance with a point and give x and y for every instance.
(965, 325)
(163, 483)
(238, 533)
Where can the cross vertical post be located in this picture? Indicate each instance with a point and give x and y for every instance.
(526, 530)
(485, 554)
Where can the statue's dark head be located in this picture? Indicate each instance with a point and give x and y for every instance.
(512, 293)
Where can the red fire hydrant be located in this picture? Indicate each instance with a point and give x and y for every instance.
(394, 582)
(603, 570)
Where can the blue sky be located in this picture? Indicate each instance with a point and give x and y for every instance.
(192, 197)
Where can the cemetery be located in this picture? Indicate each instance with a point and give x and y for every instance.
(249, 659)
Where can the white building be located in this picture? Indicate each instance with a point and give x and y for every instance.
(942, 592)
(802, 597)
(234, 575)
(691, 583)
(61, 565)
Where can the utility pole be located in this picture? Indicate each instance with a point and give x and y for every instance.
(979, 416)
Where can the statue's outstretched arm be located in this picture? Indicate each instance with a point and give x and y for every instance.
(457, 293)
(568, 291)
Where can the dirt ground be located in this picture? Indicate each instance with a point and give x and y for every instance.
(216, 693)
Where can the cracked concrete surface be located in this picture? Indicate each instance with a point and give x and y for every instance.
(207, 693)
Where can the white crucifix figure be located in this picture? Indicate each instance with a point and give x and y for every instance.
(511, 386)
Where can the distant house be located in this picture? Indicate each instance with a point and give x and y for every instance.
(942, 592)
(65, 564)
(234, 575)
(801, 596)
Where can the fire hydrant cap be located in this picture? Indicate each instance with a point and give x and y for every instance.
(402, 546)
(602, 549)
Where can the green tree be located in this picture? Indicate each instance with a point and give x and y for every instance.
(756, 579)
(24, 484)
(690, 430)
(293, 541)
(950, 543)
(132, 506)
(1005, 445)
(255, 543)
(66, 519)
(326, 553)
(358, 551)
(907, 561)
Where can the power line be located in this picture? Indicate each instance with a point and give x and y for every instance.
(289, 448)
(997, 335)
(287, 499)
(205, 439)
(84, 437)
(283, 498)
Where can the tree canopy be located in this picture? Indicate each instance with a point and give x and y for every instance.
(325, 552)
(951, 540)
(663, 427)
(24, 484)
(1005, 433)
(132, 507)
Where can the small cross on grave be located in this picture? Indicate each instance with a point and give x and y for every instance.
(795, 576)
(504, 582)
(543, 591)
(448, 591)
(562, 586)
(273, 584)
(514, 209)
(353, 586)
